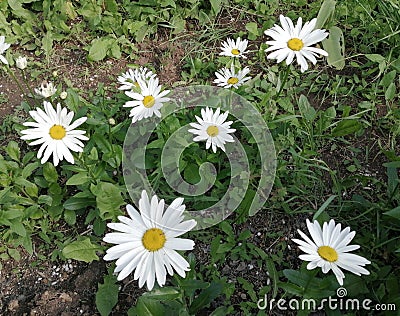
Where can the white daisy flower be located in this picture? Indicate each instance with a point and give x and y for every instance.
(229, 78)
(46, 89)
(213, 129)
(147, 241)
(234, 49)
(290, 41)
(21, 62)
(54, 131)
(329, 249)
(129, 80)
(148, 102)
(3, 47)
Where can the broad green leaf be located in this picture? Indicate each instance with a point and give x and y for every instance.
(216, 6)
(29, 168)
(346, 127)
(18, 228)
(325, 13)
(82, 250)
(334, 45)
(70, 217)
(45, 199)
(47, 44)
(390, 92)
(50, 172)
(108, 199)
(99, 48)
(149, 307)
(191, 173)
(13, 151)
(107, 295)
(253, 30)
(375, 58)
(78, 179)
(394, 212)
(306, 110)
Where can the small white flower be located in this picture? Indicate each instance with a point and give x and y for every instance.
(129, 80)
(3, 47)
(329, 249)
(54, 131)
(148, 241)
(21, 62)
(229, 78)
(46, 89)
(148, 102)
(63, 95)
(234, 49)
(213, 129)
(290, 41)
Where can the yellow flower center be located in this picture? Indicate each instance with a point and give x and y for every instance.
(328, 253)
(57, 132)
(148, 101)
(233, 80)
(212, 131)
(235, 51)
(295, 44)
(153, 239)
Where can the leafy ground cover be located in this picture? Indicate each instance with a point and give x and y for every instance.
(335, 129)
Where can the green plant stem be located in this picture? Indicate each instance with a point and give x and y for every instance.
(19, 84)
(283, 82)
(26, 83)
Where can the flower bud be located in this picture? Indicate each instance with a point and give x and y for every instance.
(21, 62)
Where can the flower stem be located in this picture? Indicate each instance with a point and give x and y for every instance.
(283, 82)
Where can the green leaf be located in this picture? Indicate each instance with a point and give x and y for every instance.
(78, 179)
(164, 293)
(253, 30)
(13, 151)
(107, 295)
(82, 250)
(306, 110)
(99, 48)
(346, 127)
(390, 92)
(324, 206)
(70, 217)
(273, 274)
(191, 173)
(205, 297)
(47, 44)
(325, 13)
(18, 228)
(375, 58)
(334, 45)
(108, 199)
(216, 6)
(394, 212)
(29, 168)
(50, 172)
(77, 203)
(149, 307)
